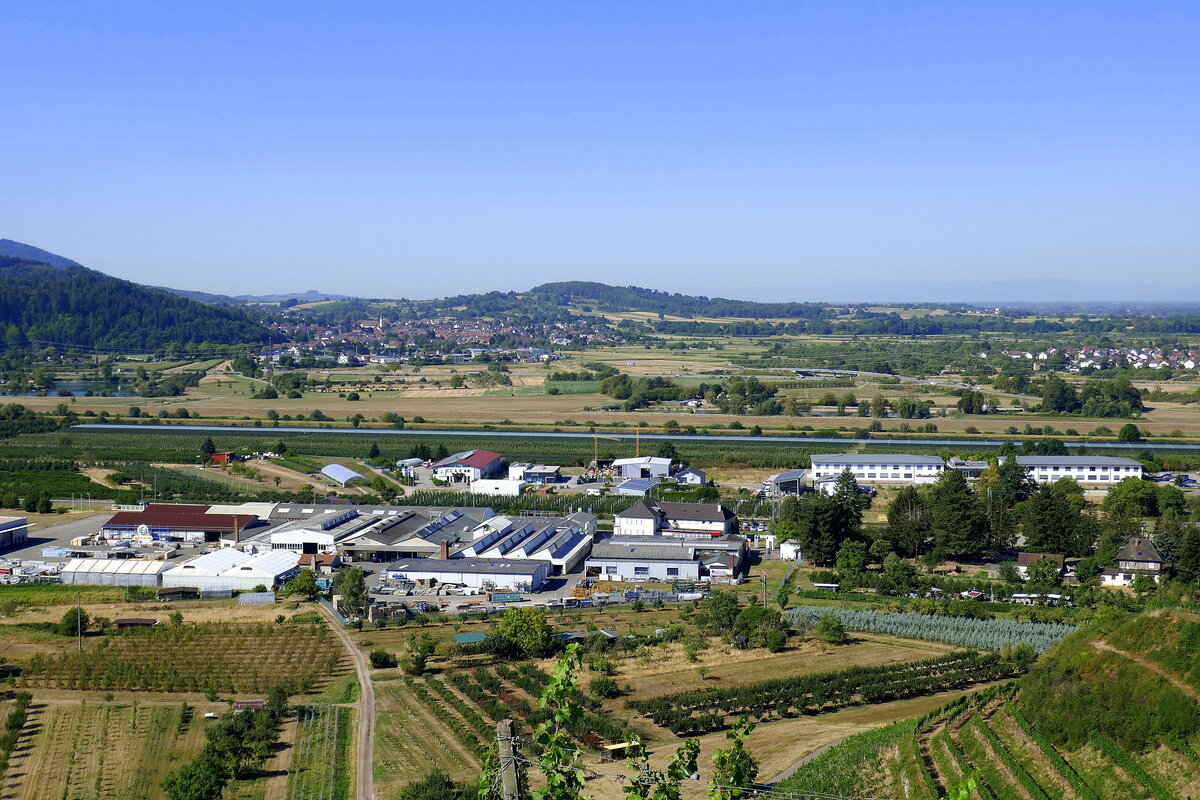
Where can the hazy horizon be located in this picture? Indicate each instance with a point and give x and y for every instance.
(767, 151)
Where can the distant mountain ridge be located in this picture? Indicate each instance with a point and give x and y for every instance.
(310, 296)
(65, 304)
(27, 252)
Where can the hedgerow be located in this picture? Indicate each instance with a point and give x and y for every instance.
(702, 710)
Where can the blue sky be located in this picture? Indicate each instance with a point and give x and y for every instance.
(747, 149)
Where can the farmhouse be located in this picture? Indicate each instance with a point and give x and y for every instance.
(636, 558)
(1138, 557)
(1025, 560)
(467, 466)
(1107, 470)
(14, 531)
(691, 477)
(643, 467)
(477, 573)
(879, 468)
(664, 518)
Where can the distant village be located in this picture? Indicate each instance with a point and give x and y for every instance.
(441, 340)
(1078, 359)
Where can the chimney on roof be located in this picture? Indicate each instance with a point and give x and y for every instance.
(445, 554)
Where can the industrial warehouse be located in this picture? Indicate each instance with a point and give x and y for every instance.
(212, 551)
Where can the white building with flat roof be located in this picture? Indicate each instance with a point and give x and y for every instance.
(878, 468)
(1105, 470)
(14, 531)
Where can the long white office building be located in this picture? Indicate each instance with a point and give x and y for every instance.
(1106, 470)
(878, 468)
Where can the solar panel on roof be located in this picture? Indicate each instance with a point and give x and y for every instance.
(518, 537)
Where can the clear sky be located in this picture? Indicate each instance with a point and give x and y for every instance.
(744, 148)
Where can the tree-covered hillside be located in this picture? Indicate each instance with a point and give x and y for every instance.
(81, 307)
(635, 298)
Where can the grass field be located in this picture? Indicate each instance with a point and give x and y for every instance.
(320, 768)
(413, 737)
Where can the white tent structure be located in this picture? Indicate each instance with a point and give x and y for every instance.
(114, 572)
(341, 475)
(274, 567)
(203, 572)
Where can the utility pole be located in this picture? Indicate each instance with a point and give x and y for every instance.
(510, 784)
(78, 623)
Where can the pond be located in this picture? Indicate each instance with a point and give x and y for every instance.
(77, 388)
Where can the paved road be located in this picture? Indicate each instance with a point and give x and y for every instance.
(745, 440)
(366, 710)
(42, 536)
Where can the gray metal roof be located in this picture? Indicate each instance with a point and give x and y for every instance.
(786, 477)
(642, 552)
(701, 512)
(1076, 461)
(487, 566)
(651, 509)
(874, 458)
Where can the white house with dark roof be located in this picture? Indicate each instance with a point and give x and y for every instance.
(651, 517)
(691, 477)
(1106, 470)
(878, 468)
(1139, 556)
(636, 558)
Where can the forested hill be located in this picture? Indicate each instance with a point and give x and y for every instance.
(77, 306)
(28, 252)
(635, 298)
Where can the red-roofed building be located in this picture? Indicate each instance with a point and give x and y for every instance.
(186, 523)
(467, 466)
